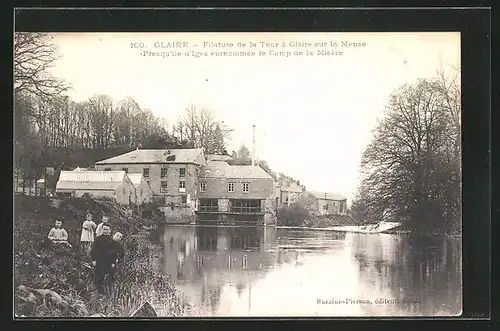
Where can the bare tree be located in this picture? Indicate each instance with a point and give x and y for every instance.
(409, 170)
(102, 117)
(34, 54)
(202, 130)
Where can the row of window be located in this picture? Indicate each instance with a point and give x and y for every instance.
(163, 172)
(203, 186)
(164, 186)
(230, 187)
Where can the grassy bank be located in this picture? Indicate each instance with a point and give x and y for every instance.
(63, 271)
(298, 216)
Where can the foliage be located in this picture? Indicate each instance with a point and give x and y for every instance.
(295, 215)
(411, 169)
(62, 269)
(53, 130)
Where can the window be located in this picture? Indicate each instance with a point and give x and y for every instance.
(124, 192)
(145, 172)
(163, 173)
(184, 199)
(325, 207)
(182, 184)
(245, 187)
(125, 169)
(107, 169)
(203, 187)
(182, 172)
(230, 187)
(141, 192)
(163, 186)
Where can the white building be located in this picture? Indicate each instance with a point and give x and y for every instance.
(114, 185)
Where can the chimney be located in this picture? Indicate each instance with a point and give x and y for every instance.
(253, 144)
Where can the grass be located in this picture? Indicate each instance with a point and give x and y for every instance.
(63, 269)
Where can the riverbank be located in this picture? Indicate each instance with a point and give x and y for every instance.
(328, 224)
(64, 272)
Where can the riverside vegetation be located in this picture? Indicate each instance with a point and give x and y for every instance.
(57, 283)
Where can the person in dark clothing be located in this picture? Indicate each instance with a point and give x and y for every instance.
(104, 256)
(120, 252)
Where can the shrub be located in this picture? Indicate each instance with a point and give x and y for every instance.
(294, 215)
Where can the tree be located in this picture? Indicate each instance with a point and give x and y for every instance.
(411, 171)
(242, 157)
(200, 128)
(34, 54)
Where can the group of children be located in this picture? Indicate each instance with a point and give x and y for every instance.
(105, 251)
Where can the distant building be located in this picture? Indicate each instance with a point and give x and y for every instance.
(243, 193)
(289, 192)
(143, 193)
(114, 185)
(172, 174)
(329, 203)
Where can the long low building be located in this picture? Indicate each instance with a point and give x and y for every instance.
(114, 185)
(327, 203)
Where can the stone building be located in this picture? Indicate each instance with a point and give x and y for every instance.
(172, 175)
(235, 193)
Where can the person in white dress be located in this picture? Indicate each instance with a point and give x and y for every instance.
(87, 237)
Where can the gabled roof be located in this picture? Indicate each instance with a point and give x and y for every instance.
(194, 155)
(96, 180)
(219, 169)
(327, 195)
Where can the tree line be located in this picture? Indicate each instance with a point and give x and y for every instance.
(50, 126)
(411, 171)
(52, 130)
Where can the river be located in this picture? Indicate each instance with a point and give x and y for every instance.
(257, 271)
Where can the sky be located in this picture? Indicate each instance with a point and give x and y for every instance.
(313, 114)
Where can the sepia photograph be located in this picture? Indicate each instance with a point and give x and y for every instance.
(304, 174)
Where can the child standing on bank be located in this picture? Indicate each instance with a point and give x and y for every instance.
(87, 237)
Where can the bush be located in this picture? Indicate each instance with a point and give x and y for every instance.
(294, 215)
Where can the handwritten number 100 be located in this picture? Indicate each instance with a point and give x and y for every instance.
(137, 45)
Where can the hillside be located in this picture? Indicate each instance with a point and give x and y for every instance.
(64, 271)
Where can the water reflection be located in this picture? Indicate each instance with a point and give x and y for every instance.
(256, 271)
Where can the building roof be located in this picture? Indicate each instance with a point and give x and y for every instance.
(136, 179)
(216, 157)
(219, 169)
(327, 195)
(80, 169)
(291, 187)
(157, 156)
(96, 180)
